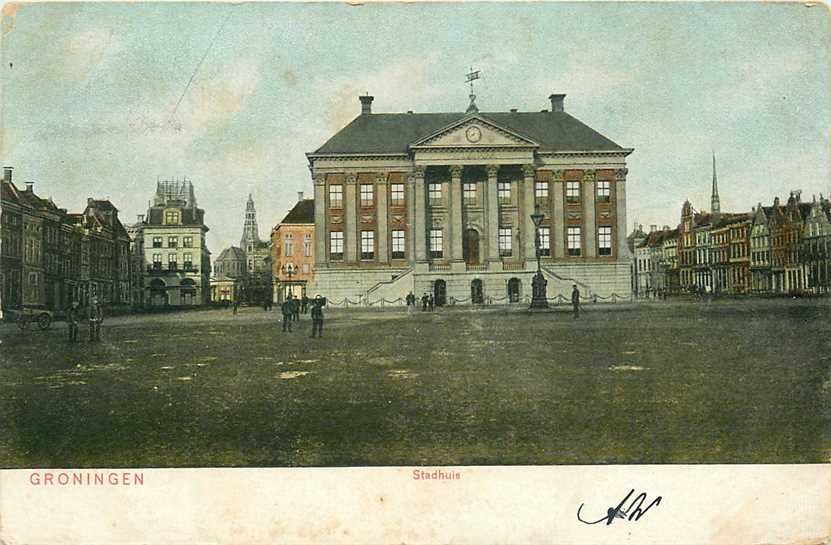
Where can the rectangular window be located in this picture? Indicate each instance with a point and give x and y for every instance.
(572, 191)
(157, 242)
(545, 241)
(172, 242)
(540, 191)
(307, 245)
(288, 245)
(504, 235)
(171, 217)
(172, 262)
(367, 195)
(604, 241)
(336, 245)
(336, 196)
(503, 192)
(469, 193)
(603, 191)
(436, 244)
(398, 245)
(187, 242)
(573, 240)
(367, 244)
(434, 193)
(188, 261)
(397, 194)
(157, 261)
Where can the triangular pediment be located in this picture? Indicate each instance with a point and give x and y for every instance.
(474, 131)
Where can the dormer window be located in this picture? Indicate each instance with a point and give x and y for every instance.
(172, 217)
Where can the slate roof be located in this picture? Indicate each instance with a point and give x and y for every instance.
(303, 212)
(393, 133)
(190, 216)
(231, 252)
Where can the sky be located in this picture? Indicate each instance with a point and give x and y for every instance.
(103, 99)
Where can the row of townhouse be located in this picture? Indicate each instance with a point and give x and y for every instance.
(51, 257)
(773, 249)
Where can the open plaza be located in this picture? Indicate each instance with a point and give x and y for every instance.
(664, 382)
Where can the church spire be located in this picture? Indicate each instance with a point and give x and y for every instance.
(250, 232)
(715, 204)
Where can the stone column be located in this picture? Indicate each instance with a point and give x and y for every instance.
(381, 218)
(321, 249)
(419, 221)
(525, 211)
(622, 250)
(411, 214)
(589, 223)
(492, 214)
(455, 213)
(558, 217)
(350, 220)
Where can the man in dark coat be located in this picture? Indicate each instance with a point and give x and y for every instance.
(431, 303)
(304, 304)
(317, 316)
(73, 316)
(424, 302)
(287, 309)
(575, 300)
(96, 316)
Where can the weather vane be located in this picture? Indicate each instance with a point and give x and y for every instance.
(470, 77)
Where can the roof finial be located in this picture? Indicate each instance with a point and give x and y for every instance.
(470, 77)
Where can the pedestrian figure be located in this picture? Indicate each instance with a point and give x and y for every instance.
(431, 302)
(575, 301)
(304, 304)
(424, 302)
(96, 316)
(236, 306)
(295, 314)
(317, 316)
(73, 316)
(410, 302)
(287, 309)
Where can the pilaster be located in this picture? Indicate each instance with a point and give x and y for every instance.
(411, 214)
(350, 213)
(455, 213)
(321, 251)
(589, 223)
(420, 220)
(620, 214)
(492, 214)
(383, 234)
(525, 211)
(558, 215)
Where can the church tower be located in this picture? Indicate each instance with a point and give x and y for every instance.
(715, 204)
(250, 233)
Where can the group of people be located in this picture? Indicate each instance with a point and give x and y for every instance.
(292, 308)
(427, 302)
(94, 315)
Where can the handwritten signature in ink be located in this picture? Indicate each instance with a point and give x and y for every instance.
(626, 509)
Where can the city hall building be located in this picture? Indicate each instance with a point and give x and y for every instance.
(442, 203)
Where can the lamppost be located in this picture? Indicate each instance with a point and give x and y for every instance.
(289, 271)
(538, 284)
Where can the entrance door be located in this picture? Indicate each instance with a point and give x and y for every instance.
(476, 295)
(440, 292)
(513, 290)
(470, 246)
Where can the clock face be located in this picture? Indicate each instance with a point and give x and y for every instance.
(473, 134)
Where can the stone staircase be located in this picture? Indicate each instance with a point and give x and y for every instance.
(390, 290)
(562, 285)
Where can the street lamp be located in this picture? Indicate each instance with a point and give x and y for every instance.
(289, 271)
(538, 284)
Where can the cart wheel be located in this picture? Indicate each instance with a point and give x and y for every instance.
(44, 321)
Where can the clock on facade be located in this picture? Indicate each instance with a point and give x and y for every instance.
(473, 134)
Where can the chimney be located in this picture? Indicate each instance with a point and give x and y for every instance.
(557, 103)
(89, 201)
(140, 218)
(366, 104)
(653, 228)
(30, 186)
(666, 227)
(513, 110)
(7, 174)
(299, 196)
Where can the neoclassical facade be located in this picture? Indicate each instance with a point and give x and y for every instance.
(442, 202)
